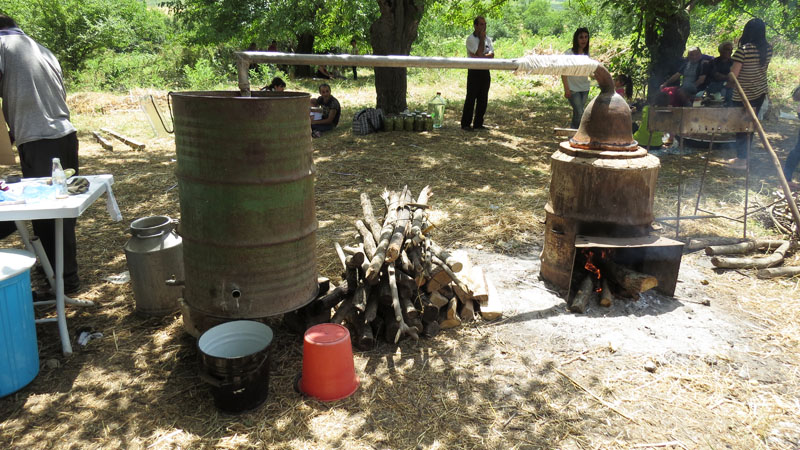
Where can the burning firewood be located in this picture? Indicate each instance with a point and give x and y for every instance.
(629, 280)
(606, 297)
(584, 296)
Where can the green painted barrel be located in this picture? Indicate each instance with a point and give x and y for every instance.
(246, 181)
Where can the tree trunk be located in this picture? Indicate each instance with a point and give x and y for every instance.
(392, 34)
(666, 48)
(305, 44)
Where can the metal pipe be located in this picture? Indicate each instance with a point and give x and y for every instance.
(541, 64)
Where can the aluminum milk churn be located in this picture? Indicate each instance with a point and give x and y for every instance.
(155, 254)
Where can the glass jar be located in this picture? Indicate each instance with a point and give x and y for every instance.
(408, 122)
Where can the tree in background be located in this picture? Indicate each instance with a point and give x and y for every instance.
(665, 26)
(77, 30)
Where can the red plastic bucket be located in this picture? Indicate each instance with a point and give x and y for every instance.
(328, 370)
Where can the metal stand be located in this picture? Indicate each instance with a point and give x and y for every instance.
(706, 122)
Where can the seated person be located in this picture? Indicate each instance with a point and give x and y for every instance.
(322, 72)
(693, 72)
(331, 110)
(645, 137)
(277, 85)
(718, 72)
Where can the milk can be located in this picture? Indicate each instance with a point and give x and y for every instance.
(155, 254)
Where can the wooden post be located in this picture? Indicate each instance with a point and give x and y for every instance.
(775, 161)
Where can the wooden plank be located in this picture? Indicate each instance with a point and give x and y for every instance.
(126, 140)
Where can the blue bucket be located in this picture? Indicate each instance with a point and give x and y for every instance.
(19, 350)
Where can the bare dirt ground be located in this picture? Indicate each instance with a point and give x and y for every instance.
(722, 354)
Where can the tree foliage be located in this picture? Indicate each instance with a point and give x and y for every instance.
(77, 30)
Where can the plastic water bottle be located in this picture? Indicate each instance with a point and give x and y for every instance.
(59, 179)
(436, 109)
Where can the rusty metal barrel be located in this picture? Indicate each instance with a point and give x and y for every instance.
(246, 184)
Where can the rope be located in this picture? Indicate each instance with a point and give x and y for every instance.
(569, 65)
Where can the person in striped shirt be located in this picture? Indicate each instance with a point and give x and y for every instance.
(750, 62)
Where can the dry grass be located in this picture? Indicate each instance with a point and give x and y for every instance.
(471, 388)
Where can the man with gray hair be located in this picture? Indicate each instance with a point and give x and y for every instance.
(35, 107)
(693, 72)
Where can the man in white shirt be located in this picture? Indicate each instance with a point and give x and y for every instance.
(479, 45)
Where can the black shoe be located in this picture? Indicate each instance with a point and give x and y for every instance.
(72, 284)
(479, 128)
(466, 128)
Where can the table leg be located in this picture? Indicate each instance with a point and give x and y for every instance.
(66, 347)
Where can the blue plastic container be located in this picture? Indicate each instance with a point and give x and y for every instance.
(19, 350)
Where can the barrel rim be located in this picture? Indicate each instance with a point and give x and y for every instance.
(237, 95)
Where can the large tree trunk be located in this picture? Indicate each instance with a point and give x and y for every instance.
(392, 34)
(305, 44)
(666, 48)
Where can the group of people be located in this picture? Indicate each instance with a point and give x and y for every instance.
(329, 105)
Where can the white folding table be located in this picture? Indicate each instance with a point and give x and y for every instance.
(58, 209)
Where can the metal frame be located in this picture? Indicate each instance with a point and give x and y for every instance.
(705, 121)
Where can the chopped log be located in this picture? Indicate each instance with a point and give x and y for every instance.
(369, 217)
(431, 329)
(377, 261)
(700, 244)
(448, 317)
(491, 310)
(419, 215)
(606, 297)
(343, 311)
(467, 312)
(430, 312)
(353, 249)
(403, 329)
(405, 264)
(340, 254)
(367, 239)
(477, 283)
(401, 227)
(415, 255)
(438, 279)
(462, 290)
(774, 259)
(446, 256)
(743, 248)
(361, 296)
(775, 272)
(127, 141)
(438, 300)
(627, 278)
(324, 284)
(103, 141)
(584, 295)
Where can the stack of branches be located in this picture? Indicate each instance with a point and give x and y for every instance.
(781, 215)
(773, 254)
(397, 282)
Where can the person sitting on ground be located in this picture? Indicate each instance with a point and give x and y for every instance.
(693, 72)
(643, 135)
(273, 46)
(331, 110)
(277, 85)
(322, 72)
(794, 156)
(718, 72)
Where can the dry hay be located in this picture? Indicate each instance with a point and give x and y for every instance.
(472, 387)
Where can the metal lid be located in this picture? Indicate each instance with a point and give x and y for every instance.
(606, 122)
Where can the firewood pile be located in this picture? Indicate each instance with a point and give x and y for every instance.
(770, 255)
(397, 282)
(604, 280)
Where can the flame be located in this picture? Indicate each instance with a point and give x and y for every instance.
(593, 268)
